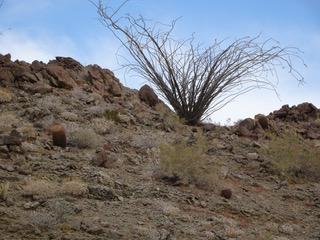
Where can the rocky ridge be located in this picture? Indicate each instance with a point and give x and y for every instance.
(104, 181)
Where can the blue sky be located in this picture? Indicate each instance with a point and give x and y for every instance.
(43, 29)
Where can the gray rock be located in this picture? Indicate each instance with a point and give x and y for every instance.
(286, 228)
(102, 193)
(253, 156)
(31, 205)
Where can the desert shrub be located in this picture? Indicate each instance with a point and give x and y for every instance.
(293, 157)
(75, 188)
(4, 187)
(5, 96)
(51, 103)
(186, 163)
(7, 119)
(28, 131)
(112, 115)
(40, 189)
(85, 138)
(102, 126)
(170, 119)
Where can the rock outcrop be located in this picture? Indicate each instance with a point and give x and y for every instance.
(64, 73)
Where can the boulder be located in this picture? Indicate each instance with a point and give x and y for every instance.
(67, 63)
(60, 78)
(5, 58)
(104, 81)
(14, 138)
(245, 127)
(262, 120)
(147, 95)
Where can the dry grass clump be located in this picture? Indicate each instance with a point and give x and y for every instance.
(170, 119)
(51, 103)
(74, 188)
(112, 115)
(7, 119)
(5, 96)
(4, 187)
(182, 163)
(85, 138)
(293, 157)
(28, 131)
(40, 189)
(102, 126)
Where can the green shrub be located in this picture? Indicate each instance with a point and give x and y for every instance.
(112, 115)
(4, 187)
(293, 157)
(85, 138)
(182, 163)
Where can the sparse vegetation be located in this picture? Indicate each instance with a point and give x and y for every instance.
(293, 157)
(102, 126)
(186, 164)
(75, 188)
(112, 115)
(170, 119)
(85, 138)
(7, 119)
(5, 96)
(4, 187)
(40, 189)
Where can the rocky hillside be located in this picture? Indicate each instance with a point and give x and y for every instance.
(83, 157)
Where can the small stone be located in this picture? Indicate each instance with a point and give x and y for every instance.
(102, 192)
(286, 228)
(256, 145)
(203, 204)
(253, 156)
(226, 193)
(31, 205)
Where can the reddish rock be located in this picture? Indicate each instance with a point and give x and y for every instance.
(147, 95)
(60, 77)
(104, 81)
(67, 63)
